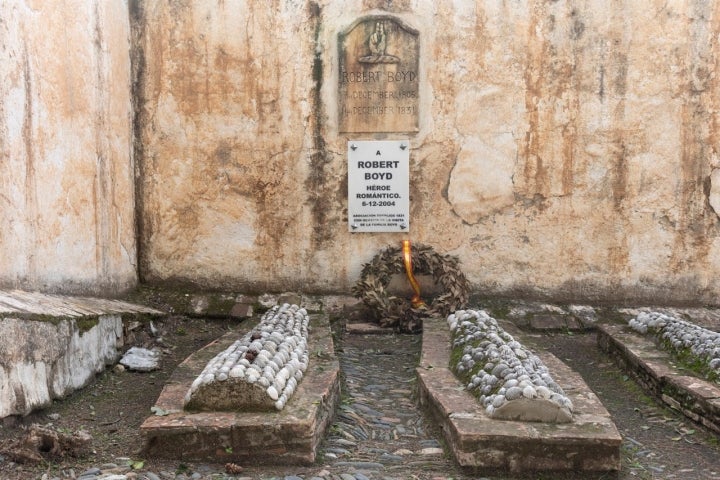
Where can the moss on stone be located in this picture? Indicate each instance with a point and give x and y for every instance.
(86, 323)
(500, 310)
(687, 360)
(165, 299)
(219, 304)
(456, 354)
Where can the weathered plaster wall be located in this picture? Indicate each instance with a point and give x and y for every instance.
(232, 157)
(566, 148)
(66, 171)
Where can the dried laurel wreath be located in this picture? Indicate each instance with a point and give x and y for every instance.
(398, 313)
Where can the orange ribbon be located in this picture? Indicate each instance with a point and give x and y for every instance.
(416, 301)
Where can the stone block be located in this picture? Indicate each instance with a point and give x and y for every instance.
(586, 315)
(141, 359)
(290, 297)
(367, 329)
(549, 321)
(58, 344)
(400, 286)
(290, 436)
(49, 360)
(241, 310)
(591, 443)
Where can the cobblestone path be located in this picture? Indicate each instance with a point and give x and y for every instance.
(379, 430)
(380, 433)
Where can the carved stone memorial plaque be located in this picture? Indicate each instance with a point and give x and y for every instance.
(378, 77)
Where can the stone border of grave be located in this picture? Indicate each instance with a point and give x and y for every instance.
(656, 371)
(288, 436)
(590, 443)
(690, 343)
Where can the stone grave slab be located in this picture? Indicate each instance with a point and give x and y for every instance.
(59, 344)
(288, 436)
(590, 443)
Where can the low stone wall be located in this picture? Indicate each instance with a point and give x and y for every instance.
(693, 343)
(52, 345)
(42, 360)
(657, 372)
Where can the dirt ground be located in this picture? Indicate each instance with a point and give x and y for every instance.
(114, 406)
(658, 443)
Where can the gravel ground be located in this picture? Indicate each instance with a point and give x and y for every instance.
(378, 432)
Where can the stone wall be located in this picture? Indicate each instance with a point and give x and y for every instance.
(565, 148)
(66, 165)
(233, 156)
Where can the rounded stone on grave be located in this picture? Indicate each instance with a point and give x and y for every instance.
(500, 369)
(533, 410)
(234, 392)
(543, 392)
(513, 393)
(529, 392)
(510, 382)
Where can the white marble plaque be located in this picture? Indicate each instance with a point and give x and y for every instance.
(379, 186)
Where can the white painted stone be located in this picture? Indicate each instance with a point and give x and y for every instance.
(46, 361)
(432, 451)
(141, 359)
